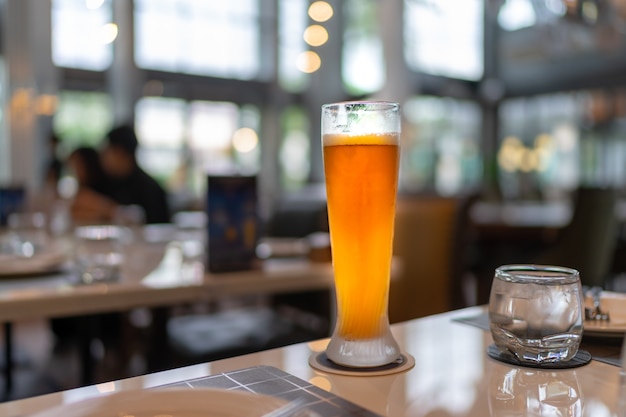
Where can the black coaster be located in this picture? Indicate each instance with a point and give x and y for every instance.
(321, 362)
(582, 358)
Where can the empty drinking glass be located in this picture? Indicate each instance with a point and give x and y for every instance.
(28, 233)
(98, 253)
(535, 312)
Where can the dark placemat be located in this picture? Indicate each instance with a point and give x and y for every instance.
(268, 380)
(480, 320)
(582, 358)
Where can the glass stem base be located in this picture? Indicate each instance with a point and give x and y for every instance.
(363, 353)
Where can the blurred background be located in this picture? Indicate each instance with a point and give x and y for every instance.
(521, 99)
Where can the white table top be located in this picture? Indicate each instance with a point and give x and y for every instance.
(452, 377)
(153, 275)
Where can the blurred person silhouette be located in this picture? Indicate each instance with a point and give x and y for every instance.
(99, 194)
(84, 164)
(127, 184)
(54, 166)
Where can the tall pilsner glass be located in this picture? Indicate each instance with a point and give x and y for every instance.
(361, 156)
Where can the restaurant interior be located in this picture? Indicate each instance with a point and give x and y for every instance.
(513, 151)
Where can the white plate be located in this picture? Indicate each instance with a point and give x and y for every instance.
(45, 262)
(615, 304)
(202, 402)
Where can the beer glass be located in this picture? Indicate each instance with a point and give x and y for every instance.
(361, 156)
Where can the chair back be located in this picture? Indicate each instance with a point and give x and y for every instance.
(588, 242)
(431, 238)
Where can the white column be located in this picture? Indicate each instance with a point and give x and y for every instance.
(5, 149)
(125, 82)
(31, 86)
(270, 135)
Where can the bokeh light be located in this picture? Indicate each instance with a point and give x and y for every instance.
(245, 140)
(108, 33)
(515, 156)
(320, 11)
(315, 35)
(308, 62)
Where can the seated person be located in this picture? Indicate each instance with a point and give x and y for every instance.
(128, 184)
(84, 164)
(101, 193)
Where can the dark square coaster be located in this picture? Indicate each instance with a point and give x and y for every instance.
(582, 358)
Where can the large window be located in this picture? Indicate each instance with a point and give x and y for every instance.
(295, 149)
(292, 21)
(363, 61)
(444, 37)
(441, 149)
(82, 118)
(160, 127)
(181, 142)
(82, 34)
(552, 143)
(539, 146)
(217, 38)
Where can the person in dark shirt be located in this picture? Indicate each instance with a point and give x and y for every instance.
(128, 184)
(125, 185)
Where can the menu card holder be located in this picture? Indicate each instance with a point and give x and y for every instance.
(232, 223)
(12, 199)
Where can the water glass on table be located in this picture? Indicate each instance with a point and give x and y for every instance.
(98, 253)
(535, 312)
(27, 233)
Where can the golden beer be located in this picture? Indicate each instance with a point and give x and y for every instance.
(361, 156)
(361, 183)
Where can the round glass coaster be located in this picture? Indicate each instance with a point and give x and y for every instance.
(582, 358)
(321, 362)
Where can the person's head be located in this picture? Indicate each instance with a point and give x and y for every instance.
(118, 154)
(84, 162)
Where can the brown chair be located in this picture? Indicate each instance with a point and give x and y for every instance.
(588, 242)
(431, 241)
